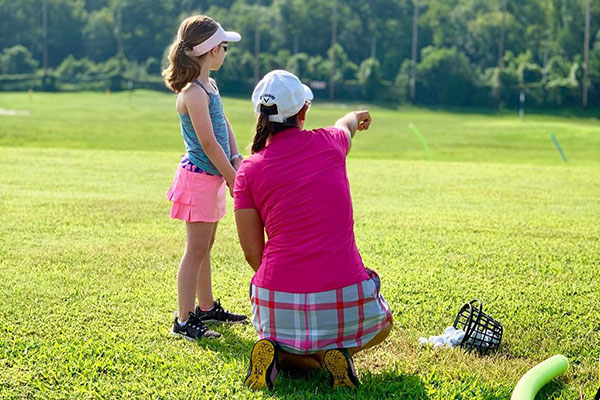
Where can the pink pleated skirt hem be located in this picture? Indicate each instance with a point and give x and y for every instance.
(197, 197)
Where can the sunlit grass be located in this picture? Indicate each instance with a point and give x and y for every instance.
(88, 255)
(147, 121)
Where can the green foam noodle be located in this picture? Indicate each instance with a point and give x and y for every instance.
(538, 376)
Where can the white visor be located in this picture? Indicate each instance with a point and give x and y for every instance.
(217, 38)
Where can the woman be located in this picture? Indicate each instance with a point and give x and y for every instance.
(314, 304)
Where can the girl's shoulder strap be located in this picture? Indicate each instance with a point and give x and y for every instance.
(197, 82)
(213, 83)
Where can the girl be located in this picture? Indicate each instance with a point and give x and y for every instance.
(314, 304)
(210, 162)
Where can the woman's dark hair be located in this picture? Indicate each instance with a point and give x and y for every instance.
(265, 128)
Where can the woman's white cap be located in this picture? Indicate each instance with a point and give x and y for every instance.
(217, 38)
(283, 89)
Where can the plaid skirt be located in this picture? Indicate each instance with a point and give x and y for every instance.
(304, 323)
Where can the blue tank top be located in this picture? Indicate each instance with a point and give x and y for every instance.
(193, 147)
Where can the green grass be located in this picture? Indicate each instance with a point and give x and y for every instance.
(147, 121)
(88, 255)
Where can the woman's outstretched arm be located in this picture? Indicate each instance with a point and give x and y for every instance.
(351, 122)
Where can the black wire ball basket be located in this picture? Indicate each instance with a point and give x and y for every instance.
(482, 332)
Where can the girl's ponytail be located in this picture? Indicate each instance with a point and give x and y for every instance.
(184, 66)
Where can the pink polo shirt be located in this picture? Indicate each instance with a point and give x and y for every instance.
(299, 186)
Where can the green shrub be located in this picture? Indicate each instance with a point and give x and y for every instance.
(72, 69)
(17, 60)
(444, 76)
(369, 75)
(298, 65)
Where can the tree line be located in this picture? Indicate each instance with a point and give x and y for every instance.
(447, 52)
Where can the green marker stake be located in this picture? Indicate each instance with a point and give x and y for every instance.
(560, 150)
(598, 394)
(421, 138)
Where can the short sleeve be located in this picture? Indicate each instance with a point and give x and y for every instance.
(340, 139)
(242, 197)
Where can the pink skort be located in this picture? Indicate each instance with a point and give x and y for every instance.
(197, 197)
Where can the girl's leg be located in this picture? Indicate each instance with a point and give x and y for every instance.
(204, 283)
(197, 246)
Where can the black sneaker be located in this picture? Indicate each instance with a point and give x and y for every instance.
(218, 314)
(263, 365)
(193, 329)
(341, 368)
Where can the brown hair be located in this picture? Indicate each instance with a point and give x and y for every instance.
(265, 128)
(184, 66)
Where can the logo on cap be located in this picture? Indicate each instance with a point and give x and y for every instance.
(267, 97)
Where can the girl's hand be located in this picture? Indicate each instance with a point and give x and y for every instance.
(236, 163)
(230, 187)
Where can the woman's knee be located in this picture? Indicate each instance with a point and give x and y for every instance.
(385, 331)
(377, 339)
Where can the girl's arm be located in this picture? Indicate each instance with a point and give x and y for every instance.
(233, 147)
(196, 102)
(251, 234)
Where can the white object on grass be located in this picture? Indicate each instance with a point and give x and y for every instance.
(450, 338)
(481, 339)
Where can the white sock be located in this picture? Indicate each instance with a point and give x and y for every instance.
(181, 323)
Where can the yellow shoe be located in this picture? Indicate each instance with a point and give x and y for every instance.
(341, 368)
(263, 365)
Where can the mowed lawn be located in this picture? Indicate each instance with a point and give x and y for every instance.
(88, 255)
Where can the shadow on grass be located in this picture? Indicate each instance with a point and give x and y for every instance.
(390, 383)
(315, 385)
(232, 345)
(550, 388)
